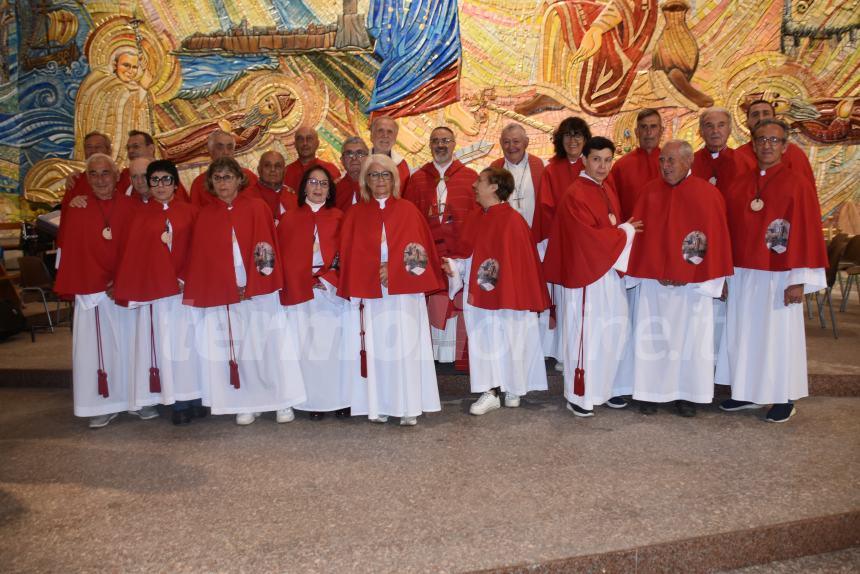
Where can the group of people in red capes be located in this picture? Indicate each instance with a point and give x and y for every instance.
(323, 296)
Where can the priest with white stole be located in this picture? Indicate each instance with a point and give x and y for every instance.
(589, 247)
(680, 262)
(779, 256)
(503, 292)
(87, 257)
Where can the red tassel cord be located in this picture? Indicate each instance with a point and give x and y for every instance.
(363, 353)
(579, 373)
(234, 365)
(101, 373)
(154, 374)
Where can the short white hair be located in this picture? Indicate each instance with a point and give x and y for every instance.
(703, 116)
(513, 126)
(98, 156)
(683, 146)
(210, 141)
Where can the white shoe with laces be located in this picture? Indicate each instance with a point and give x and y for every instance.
(285, 415)
(486, 402)
(512, 401)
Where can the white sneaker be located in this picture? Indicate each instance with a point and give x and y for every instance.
(486, 402)
(559, 366)
(381, 419)
(408, 421)
(244, 419)
(285, 415)
(102, 420)
(512, 401)
(145, 413)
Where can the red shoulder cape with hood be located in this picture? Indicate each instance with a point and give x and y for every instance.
(360, 254)
(558, 175)
(685, 237)
(296, 242)
(210, 279)
(583, 244)
(506, 271)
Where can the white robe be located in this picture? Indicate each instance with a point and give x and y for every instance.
(504, 345)
(174, 346)
(672, 353)
(265, 343)
(607, 331)
(765, 342)
(116, 326)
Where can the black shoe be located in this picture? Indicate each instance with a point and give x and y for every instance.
(316, 416)
(199, 412)
(685, 408)
(579, 411)
(647, 408)
(342, 413)
(780, 413)
(731, 405)
(616, 403)
(181, 417)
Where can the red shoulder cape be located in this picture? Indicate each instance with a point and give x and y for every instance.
(345, 190)
(506, 271)
(296, 242)
(793, 158)
(583, 244)
(360, 243)
(460, 201)
(559, 174)
(210, 279)
(630, 174)
(787, 198)
(148, 269)
(680, 224)
(720, 172)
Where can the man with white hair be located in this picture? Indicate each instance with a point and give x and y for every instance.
(383, 136)
(526, 168)
(86, 264)
(715, 162)
(220, 144)
(680, 264)
(76, 183)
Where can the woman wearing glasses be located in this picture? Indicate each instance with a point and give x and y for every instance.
(233, 277)
(309, 239)
(149, 278)
(388, 264)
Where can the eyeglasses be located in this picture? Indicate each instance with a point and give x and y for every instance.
(155, 181)
(354, 154)
(441, 141)
(772, 140)
(318, 182)
(383, 175)
(574, 136)
(226, 178)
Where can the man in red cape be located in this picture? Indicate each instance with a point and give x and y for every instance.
(87, 253)
(383, 136)
(527, 170)
(680, 262)
(270, 185)
(220, 144)
(504, 290)
(76, 183)
(630, 173)
(348, 189)
(307, 143)
(716, 162)
(588, 247)
(442, 191)
(779, 256)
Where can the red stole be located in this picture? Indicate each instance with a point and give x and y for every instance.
(460, 201)
(295, 171)
(210, 279)
(685, 236)
(793, 158)
(720, 171)
(87, 260)
(506, 271)
(557, 177)
(630, 174)
(201, 198)
(583, 244)
(408, 239)
(346, 190)
(787, 198)
(148, 269)
(296, 242)
(536, 169)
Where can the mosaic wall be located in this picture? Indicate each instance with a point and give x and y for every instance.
(261, 68)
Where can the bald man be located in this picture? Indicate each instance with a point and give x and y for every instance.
(307, 142)
(220, 144)
(270, 187)
(383, 136)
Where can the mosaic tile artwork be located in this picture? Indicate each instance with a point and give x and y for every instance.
(262, 68)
